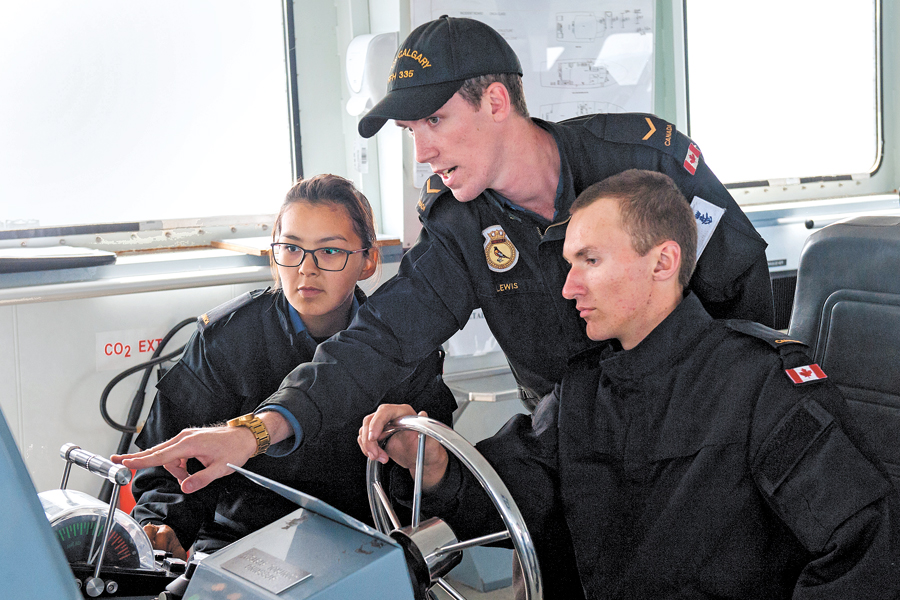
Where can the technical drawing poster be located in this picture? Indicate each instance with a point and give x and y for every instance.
(578, 56)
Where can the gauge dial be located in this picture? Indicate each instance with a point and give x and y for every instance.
(76, 534)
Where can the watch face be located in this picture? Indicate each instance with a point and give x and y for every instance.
(242, 421)
(255, 425)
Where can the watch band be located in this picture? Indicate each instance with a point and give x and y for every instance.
(254, 424)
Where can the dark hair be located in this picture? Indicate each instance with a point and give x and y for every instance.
(335, 191)
(472, 90)
(652, 210)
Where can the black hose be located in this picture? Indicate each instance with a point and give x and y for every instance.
(137, 403)
(131, 428)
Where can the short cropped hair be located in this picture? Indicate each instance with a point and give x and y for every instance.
(472, 90)
(653, 210)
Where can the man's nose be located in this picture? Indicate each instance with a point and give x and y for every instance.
(571, 288)
(425, 150)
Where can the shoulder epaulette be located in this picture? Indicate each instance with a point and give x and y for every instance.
(227, 308)
(648, 130)
(799, 369)
(434, 188)
(773, 337)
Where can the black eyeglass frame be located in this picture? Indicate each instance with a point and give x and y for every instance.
(312, 253)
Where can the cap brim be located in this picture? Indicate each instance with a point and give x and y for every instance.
(407, 104)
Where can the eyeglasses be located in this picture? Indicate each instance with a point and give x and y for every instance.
(327, 259)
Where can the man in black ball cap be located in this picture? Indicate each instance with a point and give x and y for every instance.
(494, 217)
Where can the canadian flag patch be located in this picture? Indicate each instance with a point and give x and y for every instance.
(692, 160)
(806, 374)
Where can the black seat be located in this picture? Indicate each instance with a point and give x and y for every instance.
(847, 309)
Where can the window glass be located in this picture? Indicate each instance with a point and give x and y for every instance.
(143, 110)
(783, 89)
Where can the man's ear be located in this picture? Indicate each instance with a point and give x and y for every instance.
(668, 263)
(497, 98)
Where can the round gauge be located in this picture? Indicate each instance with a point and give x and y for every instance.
(76, 534)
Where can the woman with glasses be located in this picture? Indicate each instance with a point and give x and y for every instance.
(323, 243)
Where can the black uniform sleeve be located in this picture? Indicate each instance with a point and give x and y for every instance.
(732, 274)
(158, 496)
(837, 502)
(183, 400)
(425, 390)
(404, 321)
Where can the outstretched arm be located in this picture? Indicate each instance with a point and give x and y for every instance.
(214, 447)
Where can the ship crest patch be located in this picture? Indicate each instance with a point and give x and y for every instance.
(499, 251)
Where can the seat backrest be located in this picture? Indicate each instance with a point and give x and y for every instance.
(847, 309)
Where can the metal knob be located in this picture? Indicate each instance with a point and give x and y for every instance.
(93, 587)
(117, 474)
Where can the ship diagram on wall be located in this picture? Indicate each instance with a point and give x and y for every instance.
(590, 27)
(559, 111)
(591, 32)
(578, 56)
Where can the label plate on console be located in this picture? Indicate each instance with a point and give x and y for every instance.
(265, 570)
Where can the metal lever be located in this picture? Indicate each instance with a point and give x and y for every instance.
(96, 464)
(118, 475)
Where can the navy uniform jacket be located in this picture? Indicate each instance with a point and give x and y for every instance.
(229, 366)
(692, 467)
(488, 254)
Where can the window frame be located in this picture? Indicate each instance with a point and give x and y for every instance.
(827, 182)
(156, 234)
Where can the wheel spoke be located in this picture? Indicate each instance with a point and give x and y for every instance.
(417, 493)
(442, 546)
(442, 583)
(386, 507)
(479, 541)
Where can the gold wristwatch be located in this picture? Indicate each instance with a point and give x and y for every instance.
(254, 424)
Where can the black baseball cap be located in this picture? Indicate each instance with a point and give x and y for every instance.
(432, 64)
